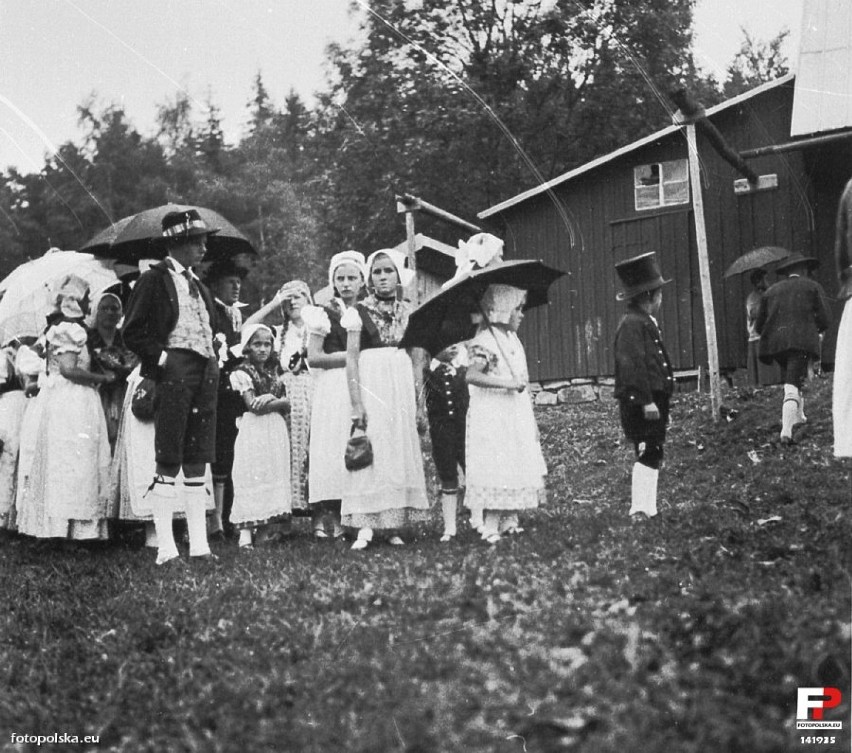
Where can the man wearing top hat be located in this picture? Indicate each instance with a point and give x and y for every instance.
(170, 321)
(793, 314)
(644, 380)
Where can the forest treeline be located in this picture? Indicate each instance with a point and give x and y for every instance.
(462, 103)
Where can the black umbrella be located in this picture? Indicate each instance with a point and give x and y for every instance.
(101, 244)
(445, 318)
(755, 259)
(140, 236)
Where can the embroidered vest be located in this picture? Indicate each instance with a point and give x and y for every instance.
(192, 331)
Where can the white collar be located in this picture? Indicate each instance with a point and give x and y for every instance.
(178, 267)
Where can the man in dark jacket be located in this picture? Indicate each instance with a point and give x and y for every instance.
(793, 314)
(644, 380)
(169, 324)
(225, 281)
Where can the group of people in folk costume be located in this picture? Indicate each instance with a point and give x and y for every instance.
(247, 423)
(262, 414)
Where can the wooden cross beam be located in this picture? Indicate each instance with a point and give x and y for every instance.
(690, 111)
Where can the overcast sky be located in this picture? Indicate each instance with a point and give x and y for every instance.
(54, 54)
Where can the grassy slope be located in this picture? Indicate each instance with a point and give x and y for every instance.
(690, 632)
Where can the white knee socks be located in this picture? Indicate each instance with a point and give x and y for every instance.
(644, 490)
(449, 508)
(163, 497)
(150, 534)
(214, 522)
(195, 502)
(491, 524)
(509, 523)
(476, 519)
(790, 409)
(245, 538)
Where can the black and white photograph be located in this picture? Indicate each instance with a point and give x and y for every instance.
(426, 376)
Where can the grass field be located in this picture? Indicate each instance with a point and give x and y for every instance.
(690, 632)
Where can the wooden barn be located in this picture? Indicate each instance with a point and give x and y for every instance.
(638, 199)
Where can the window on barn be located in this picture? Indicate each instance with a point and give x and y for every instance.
(662, 184)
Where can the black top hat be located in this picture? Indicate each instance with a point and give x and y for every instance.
(797, 259)
(186, 223)
(639, 275)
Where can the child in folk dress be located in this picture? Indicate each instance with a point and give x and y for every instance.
(644, 380)
(446, 407)
(291, 342)
(262, 451)
(505, 465)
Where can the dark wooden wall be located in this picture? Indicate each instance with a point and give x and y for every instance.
(600, 226)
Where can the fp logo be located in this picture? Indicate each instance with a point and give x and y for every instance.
(816, 700)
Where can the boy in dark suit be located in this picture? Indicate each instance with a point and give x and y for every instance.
(446, 406)
(224, 278)
(793, 313)
(169, 324)
(644, 380)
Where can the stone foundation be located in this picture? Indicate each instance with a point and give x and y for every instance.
(590, 390)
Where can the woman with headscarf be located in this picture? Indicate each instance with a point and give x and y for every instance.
(292, 346)
(327, 475)
(390, 494)
(62, 492)
(109, 353)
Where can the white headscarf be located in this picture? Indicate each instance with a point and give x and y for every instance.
(247, 333)
(347, 257)
(92, 318)
(398, 259)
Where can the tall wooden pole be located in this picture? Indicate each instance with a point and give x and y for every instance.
(408, 204)
(411, 246)
(704, 273)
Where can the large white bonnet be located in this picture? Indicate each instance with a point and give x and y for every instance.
(499, 301)
(67, 295)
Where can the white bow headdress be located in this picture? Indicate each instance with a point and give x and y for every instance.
(476, 252)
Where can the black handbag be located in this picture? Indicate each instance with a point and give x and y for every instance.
(359, 451)
(143, 403)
